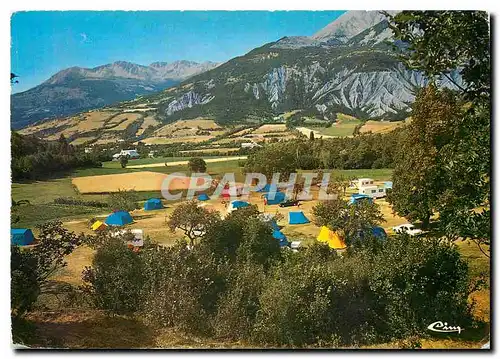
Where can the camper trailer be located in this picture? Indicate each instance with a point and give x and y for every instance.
(373, 191)
(364, 182)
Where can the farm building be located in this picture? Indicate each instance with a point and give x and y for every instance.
(119, 218)
(250, 145)
(21, 236)
(133, 154)
(152, 204)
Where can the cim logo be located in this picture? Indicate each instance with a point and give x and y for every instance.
(444, 328)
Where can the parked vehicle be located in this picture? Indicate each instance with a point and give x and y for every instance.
(289, 204)
(407, 228)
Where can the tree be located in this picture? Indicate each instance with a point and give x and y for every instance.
(194, 221)
(298, 187)
(123, 200)
(339, 184)
(274, 158)
(440, 43)
(124, 161)
(13, 77)
(30, 269)
(64, 147)
(197, 164)
(339, 215)
(418, 175)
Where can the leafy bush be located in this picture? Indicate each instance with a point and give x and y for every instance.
(123, 200)
(183, 288)
(238, 305)
(235, 283)
(116, 278)
(197, 164)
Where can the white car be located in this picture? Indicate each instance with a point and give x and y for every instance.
(407, 228)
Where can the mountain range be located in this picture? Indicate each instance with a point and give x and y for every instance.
(349, 66)
(77, 89)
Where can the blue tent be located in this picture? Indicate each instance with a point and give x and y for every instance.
(280, 237)
(153, 203)
(379, 232)
(21, 236)
(203, 197)
(119, 218)
(274, 197)
(358, 197)
(274, 225)
(239, 204)
(269, 188)
(297, 218)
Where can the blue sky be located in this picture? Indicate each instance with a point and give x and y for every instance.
(46, 42)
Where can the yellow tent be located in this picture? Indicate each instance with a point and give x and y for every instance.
(332, 238)
(98, 225)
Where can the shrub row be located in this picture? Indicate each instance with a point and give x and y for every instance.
(80, 202)
(377, 293)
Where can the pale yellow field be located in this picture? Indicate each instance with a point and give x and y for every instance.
(122, 118)
(138, 181)
(194, 125)
(103, 141)
(380, 127)
(242, 132)
(94, 120)
(130, 119)
(271, 128)
(46, 125)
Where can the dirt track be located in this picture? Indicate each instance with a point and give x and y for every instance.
(180, 163)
